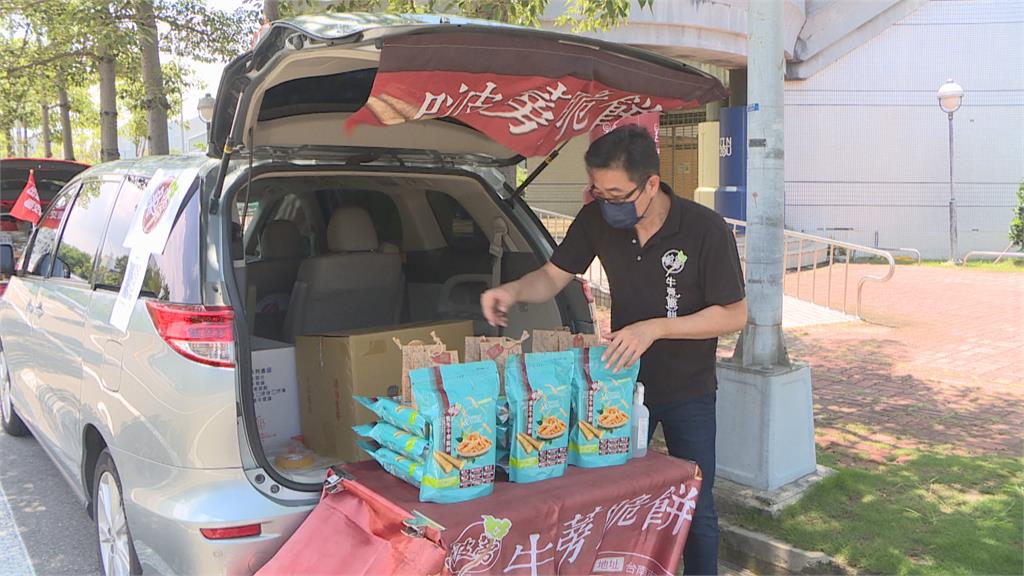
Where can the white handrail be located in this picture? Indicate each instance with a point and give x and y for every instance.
(997, 255)
(849, 248)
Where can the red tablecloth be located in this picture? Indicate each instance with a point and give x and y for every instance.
(631, 519)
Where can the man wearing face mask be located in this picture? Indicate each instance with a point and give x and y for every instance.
(676, 286)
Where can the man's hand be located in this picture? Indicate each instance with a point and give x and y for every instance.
(629, 344)
(496, 303)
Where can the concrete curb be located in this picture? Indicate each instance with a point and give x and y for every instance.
(763, 554)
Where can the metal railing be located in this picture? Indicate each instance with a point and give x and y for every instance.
(817, 252)
(997, 255)
(805, 254)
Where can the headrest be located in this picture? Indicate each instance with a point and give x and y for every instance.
(281, 239)
(351, 230)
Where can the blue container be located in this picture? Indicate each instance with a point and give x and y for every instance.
(731, 195)
(731, 202)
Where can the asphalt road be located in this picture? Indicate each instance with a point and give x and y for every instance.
(55, 532)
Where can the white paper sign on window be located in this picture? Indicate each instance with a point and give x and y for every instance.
(134, 274)
(154, 217)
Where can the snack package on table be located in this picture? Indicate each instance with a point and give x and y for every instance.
(602, 406)
(417, 354)
(399, 466)
(459, 402)
(396, 440)
(539, 390)
(396, 414)
(496, 349)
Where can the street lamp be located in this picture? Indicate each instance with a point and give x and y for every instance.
(205, 107)
(950, 97)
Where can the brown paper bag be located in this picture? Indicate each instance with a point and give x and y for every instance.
(498, 349)
(416, 354)
(548, 340)
(569, 341)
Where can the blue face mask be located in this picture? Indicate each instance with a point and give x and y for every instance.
(620, 215)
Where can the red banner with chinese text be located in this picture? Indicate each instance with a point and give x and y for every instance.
(528, 114)
(631, 519)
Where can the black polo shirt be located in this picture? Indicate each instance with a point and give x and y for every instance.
(689, 264)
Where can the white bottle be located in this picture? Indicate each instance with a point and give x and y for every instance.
(641, 423)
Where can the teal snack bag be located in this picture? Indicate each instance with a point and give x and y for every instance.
(602, 406)
(401, 467)
(539, 389)
(459, 401)
(390, 411)
(396, 440)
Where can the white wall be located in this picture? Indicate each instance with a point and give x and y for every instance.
(866, 144)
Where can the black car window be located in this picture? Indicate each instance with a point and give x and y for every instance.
(171, 276)
(38, 260)
(461, 232)
(84, 229)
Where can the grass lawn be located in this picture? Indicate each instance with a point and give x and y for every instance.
(932, 514)
(1006, 265)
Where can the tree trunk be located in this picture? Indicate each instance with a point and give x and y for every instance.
(11, 152)
(108, 107)
(65, 122)
(271, 10)
(155, 101)
(24, 140)
(47, 148)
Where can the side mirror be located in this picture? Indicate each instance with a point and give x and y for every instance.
(6, 260)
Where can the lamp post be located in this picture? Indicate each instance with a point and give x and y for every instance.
(205, 106)
(950, 97)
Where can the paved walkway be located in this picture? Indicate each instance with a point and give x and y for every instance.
(940, 363)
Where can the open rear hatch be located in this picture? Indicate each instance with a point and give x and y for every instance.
(451, 85)
(343, 90)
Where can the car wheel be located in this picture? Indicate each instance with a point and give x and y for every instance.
(9, 419)
(116, 550)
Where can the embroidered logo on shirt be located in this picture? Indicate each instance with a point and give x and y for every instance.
(673, 262)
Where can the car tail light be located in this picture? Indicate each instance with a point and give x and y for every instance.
(204, 334)
(232, 532)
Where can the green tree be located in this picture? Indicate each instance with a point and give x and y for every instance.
(1017, 224)
(580, 16)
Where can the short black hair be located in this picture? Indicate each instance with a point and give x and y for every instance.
(629, 148)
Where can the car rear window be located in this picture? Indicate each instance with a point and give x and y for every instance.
(343, 92)
(172, 276)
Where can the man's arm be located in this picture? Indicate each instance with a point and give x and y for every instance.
(538, 286)
(628, 344)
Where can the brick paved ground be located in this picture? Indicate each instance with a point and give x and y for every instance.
(939, 364)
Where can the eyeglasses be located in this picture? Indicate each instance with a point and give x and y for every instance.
(592, 190)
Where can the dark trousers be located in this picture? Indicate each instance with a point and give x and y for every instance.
(689, 428)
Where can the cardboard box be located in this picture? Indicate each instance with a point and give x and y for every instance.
(275, 392)
(333, 368)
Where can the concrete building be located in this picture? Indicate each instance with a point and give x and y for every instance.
(866, 143)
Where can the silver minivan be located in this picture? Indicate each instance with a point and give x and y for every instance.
(291, 226)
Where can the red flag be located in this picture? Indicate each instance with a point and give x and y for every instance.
(28, 207)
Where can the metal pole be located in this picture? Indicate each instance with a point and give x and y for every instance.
(952, 200)
(761, 343)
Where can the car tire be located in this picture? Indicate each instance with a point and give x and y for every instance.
(9, 419)
(115, 547)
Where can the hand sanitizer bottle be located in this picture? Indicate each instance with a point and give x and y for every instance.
(641, 423)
